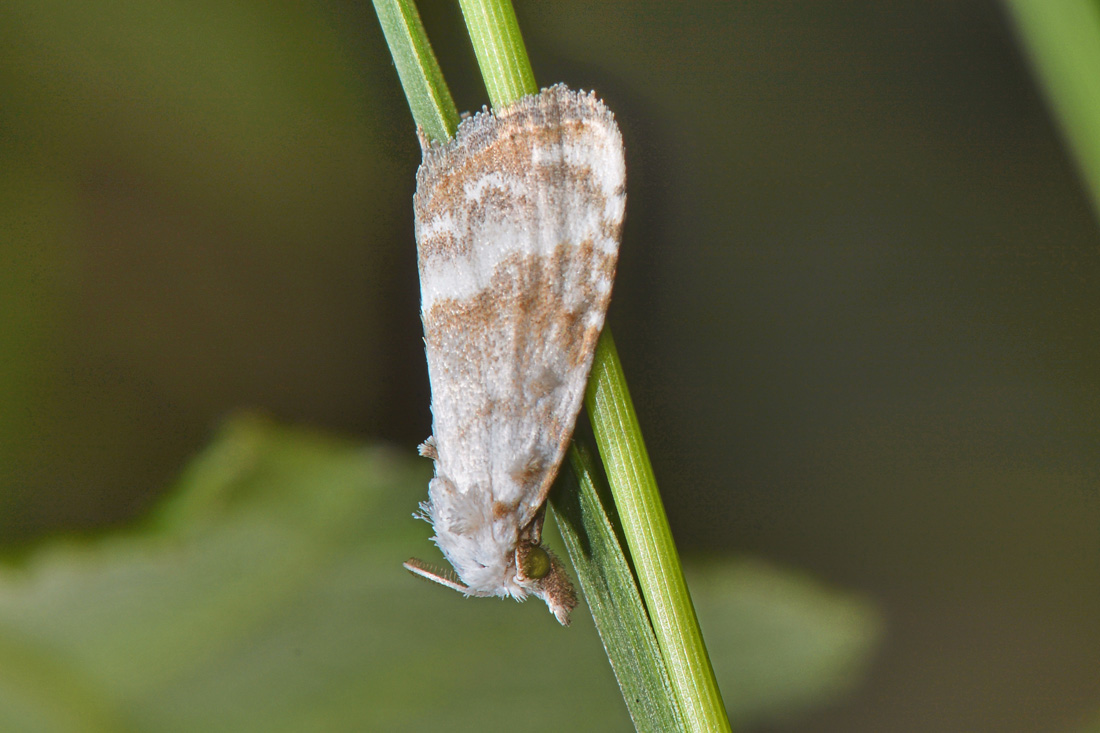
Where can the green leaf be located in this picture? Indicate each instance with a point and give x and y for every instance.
(613, 598)
(267, 594)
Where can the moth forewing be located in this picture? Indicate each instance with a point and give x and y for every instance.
(518, 220)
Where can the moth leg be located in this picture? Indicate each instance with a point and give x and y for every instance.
(532, 533)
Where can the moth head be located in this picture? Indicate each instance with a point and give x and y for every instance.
(542, 574)
(532, 562)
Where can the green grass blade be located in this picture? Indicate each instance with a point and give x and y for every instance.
(430, 100)
(612, 596)
(649, 538)
(494, 32)
(1063, 40)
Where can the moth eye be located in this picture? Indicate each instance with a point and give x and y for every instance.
(534, 563)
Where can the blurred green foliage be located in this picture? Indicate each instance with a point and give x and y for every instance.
(182, 191)
(267, 594)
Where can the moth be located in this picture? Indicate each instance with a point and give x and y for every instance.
(517, 221)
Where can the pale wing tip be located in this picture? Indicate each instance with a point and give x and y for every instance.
(561, 612)
(439, 575)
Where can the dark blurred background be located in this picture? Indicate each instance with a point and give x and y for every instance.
(857, 300)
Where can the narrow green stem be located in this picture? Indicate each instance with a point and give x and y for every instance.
(1063, 40)
(494, 31)
(649, 537)
(429, 98)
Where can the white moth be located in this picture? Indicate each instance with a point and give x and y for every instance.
(518, 221)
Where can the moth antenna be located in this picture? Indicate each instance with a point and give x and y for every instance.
(439, 575)
(533, 532)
